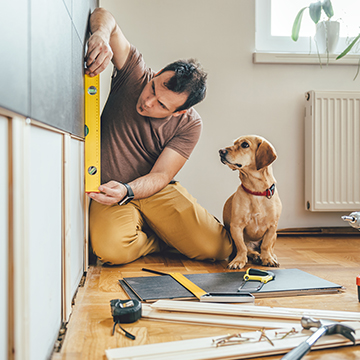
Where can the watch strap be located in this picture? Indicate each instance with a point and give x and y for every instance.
(129, 195)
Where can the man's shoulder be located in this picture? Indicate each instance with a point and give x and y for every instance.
(134, 73)
(191, 116)
(188, 121)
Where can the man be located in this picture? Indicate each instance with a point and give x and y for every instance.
(148, 131)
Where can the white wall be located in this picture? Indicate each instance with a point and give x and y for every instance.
(243, 98)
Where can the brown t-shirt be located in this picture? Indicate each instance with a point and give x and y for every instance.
(131, 143)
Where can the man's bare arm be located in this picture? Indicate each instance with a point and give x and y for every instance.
(166, 167)
(107, 43)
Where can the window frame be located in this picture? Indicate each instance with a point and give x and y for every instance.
(266, 43)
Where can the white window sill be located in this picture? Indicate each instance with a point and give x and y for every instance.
(303, 59)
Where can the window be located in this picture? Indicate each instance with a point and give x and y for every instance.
(274, 20)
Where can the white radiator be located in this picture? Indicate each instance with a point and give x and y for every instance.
(332, 151)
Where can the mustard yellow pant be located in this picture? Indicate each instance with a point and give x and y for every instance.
(171, 218)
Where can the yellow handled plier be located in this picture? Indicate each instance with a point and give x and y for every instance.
(257, 275)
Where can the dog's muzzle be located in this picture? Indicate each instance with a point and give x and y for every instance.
(223, 153)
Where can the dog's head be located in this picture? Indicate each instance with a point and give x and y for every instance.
(248, 151)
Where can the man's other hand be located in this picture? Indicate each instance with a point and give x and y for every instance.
(110, 193)
(99, 54)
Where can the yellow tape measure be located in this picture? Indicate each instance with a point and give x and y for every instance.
(92, 133)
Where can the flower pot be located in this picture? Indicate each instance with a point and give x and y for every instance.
(327, 36)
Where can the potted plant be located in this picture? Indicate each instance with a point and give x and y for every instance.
(327, 32)
(348, 49)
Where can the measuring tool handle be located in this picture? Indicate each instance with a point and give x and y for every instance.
(258, 275)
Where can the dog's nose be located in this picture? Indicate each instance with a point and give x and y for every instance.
(223, 152)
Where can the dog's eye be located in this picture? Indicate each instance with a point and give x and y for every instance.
(244, 145)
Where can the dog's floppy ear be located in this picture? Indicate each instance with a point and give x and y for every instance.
(265, 155)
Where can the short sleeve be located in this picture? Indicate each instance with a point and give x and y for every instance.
(186, 138)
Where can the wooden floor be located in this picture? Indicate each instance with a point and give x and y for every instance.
(335, 258)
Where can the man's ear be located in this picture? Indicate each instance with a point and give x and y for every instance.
(265, 155)
(177, 113)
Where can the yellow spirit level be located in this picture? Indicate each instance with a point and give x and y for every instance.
(92, 134)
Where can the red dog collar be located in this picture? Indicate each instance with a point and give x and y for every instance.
(268, 192)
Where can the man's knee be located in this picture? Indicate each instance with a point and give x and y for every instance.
(112, 257)
(113, 251)
(214, 253)
(211, 247)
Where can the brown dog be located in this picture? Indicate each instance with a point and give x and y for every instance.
(252, 212)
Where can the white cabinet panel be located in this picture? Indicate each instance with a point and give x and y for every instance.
(76, 178)
(4, 236)
(48, 232)
(44, 240)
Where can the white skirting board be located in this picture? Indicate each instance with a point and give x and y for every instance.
(215, 320)
(203, 348)
(253, 311)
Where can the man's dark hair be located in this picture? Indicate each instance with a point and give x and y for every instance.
(189, 78)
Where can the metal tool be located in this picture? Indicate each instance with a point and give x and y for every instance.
(353, 219)
(202, 295)
(324, 328)
(261, 276)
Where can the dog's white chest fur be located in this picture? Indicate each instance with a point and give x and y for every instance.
(253, 230)
(261, 216)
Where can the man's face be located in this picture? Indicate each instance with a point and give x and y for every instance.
(157, 101)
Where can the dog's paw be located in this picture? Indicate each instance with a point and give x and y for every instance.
(238, 262)
(255, 258)
(270, 261)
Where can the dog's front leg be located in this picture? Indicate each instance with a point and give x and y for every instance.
(268, 258)
(240, 260)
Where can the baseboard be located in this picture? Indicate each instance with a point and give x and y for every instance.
(340, 230)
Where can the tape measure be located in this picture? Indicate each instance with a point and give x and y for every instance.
(125, 312)
(92, 133)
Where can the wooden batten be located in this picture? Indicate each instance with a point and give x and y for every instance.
(204, 348)
(215, 320)
(253, 311)
(66, 229)
(20, 133)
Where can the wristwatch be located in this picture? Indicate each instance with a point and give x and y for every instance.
(128, 197)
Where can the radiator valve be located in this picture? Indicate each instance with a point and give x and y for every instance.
(353, 219)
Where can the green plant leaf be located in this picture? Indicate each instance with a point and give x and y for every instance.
(328, 9)
(348, 48)
(297, 23)
(315, 11)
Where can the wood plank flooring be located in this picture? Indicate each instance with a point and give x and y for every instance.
(335, 258)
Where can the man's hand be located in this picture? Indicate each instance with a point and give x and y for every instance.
(99, 54)
(107, 43)
(111, 193)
